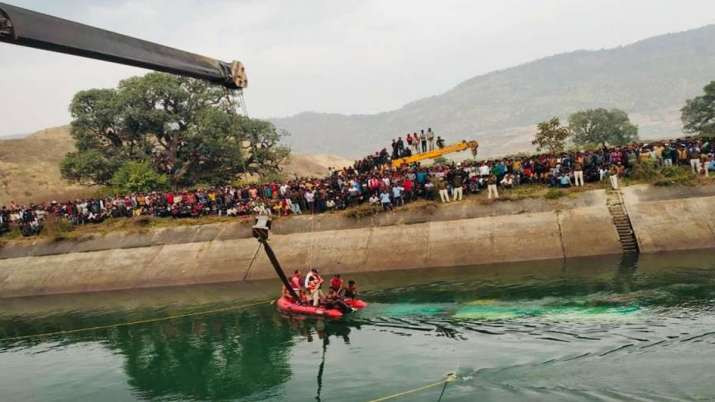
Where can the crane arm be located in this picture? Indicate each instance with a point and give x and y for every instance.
(458, 147)
(24, 27)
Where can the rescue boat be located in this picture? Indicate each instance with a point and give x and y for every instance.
(287, 305)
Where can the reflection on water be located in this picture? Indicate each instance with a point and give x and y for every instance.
(582, 329)
(231, 356)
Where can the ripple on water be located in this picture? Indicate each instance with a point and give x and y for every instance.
(563, 334)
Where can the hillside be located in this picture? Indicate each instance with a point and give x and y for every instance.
(650, 79)
(29, 167)
(312, 165)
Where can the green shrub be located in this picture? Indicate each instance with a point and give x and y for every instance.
(245, 180)
(271, 176)
(138, 177)
(525, 191)
(57, 228)
(13, 234)
(675, 175)
(649, 171)
(362, 211)
(553, 194)
(646, 171)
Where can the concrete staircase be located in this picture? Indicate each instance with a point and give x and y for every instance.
(627, 237)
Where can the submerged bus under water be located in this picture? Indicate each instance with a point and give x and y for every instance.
(601, 328)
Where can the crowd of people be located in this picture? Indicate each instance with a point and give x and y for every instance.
(414, 144)
(372, 180)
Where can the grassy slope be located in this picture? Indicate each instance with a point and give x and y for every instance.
(29, 167)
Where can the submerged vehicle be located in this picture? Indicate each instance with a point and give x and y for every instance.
(290, 303)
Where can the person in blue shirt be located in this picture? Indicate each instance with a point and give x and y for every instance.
(565, 181)
(385, 200)
(421, 177)
(397, 195)
(710, 166)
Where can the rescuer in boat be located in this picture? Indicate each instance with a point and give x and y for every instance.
(340, 297)
(335, 300)
(336, 283)
(313, 282)
(295, 283)
(351, 291)
(293, 299)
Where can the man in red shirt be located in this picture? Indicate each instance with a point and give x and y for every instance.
(409, 186)
(336, 283)
(295, 282)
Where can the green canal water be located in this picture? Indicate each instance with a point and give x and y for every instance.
(593, 329)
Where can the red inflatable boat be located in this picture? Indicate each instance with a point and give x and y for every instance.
(286, 305)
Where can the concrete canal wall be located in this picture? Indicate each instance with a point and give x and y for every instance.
(466, 233)
(672, 218)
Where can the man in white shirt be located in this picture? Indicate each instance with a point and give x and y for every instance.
(430, 139)
(484, 169)
(310, 200)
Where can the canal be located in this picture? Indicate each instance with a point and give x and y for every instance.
(601, 328)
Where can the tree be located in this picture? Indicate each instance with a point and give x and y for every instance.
(551, 136)
(186, 129)
(138, 176)
(602, 127)
(88, 167)
(698, 114)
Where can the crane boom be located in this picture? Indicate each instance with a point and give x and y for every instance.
(24, 27)
(458, 147)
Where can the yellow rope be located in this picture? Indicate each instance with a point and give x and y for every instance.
(131, 323)
(451, 377)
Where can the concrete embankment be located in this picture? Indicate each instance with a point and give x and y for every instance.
(459, 234)
(672, 218)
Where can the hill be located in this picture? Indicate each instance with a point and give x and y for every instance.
(29, 167)
(650, 79)
(302, 165)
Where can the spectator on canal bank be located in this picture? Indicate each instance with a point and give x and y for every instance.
(385, 200)
(492, 187)
(442, 189)
(457, 182)
(372, 180)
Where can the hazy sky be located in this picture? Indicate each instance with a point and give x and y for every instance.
(361, 56)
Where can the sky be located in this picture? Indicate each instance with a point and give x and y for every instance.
(353, 57)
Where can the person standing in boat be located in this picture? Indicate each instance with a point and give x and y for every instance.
(313, 281)
(295, 283)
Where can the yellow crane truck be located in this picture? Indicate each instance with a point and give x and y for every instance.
(458, 147)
